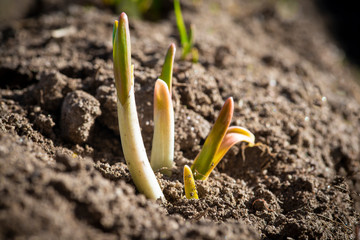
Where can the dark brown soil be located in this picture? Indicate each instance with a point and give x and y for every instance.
(62, 170)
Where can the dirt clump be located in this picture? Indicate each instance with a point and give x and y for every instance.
(78, 113)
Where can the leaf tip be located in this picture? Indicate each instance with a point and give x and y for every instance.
(230, 101)
(226, 112)
(161, 95)
(116, 23)
(172, 47)
(123, 18)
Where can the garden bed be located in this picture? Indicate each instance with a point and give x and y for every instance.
(62, 170)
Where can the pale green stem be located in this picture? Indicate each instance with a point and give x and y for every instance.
(130, 133)
(134, 150)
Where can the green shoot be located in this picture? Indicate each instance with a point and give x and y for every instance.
(220, 139)
(189, 184)
(162, 153)
(167, 70)
(122, 58)
(130, 133)
(187, 41)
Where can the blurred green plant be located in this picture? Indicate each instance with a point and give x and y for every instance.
(151, 9)
(186, 40)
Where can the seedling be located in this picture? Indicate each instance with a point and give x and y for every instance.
(162, 153)
(189, 184)
(187, 41)
(220, 139)
(131, 139)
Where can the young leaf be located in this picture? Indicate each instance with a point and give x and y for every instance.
(122, 57)
(220, 139)
(162, 153)
(189, 184)
(167, 70)
(130, 133)
(233, 135)
(204, 159)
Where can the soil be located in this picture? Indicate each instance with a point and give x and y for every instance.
(62, 170)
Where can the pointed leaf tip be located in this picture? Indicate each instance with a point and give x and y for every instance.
(123, 17)
(172, 47)
(226, 114)
(230, 101)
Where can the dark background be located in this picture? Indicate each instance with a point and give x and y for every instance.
(342, 18)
